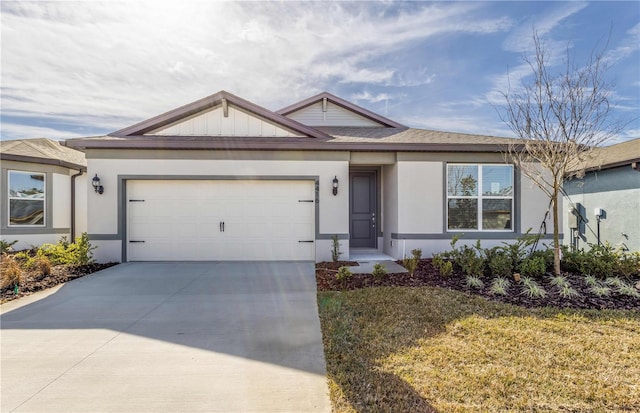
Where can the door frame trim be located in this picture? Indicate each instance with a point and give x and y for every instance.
(377, 171)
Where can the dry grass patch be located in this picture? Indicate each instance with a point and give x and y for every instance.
(431, 349)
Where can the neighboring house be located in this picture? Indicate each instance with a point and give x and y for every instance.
(607, 199)
(225, 179)
(39, 181)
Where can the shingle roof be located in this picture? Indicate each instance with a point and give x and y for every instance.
(612, 156)
(410, 135)
(42, 150)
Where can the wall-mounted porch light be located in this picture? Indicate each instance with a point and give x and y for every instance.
(96, 185)
(335, 185)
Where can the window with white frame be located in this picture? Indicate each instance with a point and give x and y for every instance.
(26, 198)
(480, 197)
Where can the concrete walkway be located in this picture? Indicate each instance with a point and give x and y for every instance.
(168, 337)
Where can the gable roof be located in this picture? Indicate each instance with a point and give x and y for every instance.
(209, 102)
(43, 151)
(608, 157)
(160, 132)
(358, 110)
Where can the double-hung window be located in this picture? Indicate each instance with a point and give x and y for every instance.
(26, 199)
(479, 197)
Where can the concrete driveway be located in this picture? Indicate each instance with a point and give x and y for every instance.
(168, 337)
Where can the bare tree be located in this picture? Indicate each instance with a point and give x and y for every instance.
(560, 117)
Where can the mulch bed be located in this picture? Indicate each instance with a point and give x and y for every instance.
(33, 281)
(427, 275)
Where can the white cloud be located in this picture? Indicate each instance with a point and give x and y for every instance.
(122, 62)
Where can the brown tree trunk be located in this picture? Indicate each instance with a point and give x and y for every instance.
(556, 237)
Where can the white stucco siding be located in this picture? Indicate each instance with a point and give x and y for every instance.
(533, 206)
(61, 201)
(214, 123)
(390, 209)
(420, 195)
(103, 209)
(82, 184)
(334, 116)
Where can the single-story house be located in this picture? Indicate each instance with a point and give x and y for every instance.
(604, 205)
(225, 179)
(43, 192)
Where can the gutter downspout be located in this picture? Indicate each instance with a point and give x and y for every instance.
(73, 204)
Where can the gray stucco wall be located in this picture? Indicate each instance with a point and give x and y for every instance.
(617, 192)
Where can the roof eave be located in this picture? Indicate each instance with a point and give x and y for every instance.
(45, 161)
(239, 144)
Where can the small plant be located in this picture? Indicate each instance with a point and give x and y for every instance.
(470, 262)
(411, 263)
(533, 267)
(343, 274)
(379, 270)
(474, 282)
(445, 268)
(532, 289)
(42, 266)
(6, 247)
(600, 290)
(10, 273)
(591, 281)
(566, 291)
(500, 265)
(335, 248)
(628, 290)
(564, 287)
(558, 281)
(499, 286)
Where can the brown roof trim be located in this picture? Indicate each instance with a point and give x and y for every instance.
(211, 101)
(345, 104)
(45, 161)
(301, 144)
(612, 165)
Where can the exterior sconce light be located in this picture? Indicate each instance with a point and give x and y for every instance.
(335, 185)
(96, 185)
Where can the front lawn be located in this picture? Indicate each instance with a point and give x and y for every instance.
(401, 349)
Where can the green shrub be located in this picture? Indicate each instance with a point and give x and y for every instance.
(628, 264)
(335, 248)
(64, 253)
(343, 274)
(470, 262)
(6, 247)
(379, 270)
(474, 282)
(517, 251)
(532, 289)
(500, 265)
(411, 263)
(499, 286)
(533, 267)
(444, 267)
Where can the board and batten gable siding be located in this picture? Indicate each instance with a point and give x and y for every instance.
(334, 116)
(214, 123)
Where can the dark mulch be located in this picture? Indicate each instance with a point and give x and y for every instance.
(33, 281)
(427, 275)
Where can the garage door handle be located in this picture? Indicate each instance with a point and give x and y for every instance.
(305, 200)
(135, 241)
(221, 226)
(307, 241)
(136, 200)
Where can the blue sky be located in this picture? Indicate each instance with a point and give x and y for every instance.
(72, 69)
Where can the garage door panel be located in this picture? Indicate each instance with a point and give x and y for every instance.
(182, 220)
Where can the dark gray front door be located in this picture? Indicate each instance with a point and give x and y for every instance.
(362, 209)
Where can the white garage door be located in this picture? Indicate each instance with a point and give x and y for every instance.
(220, 220)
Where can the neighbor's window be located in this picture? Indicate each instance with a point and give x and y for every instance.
(26, 198)
(479, 197)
